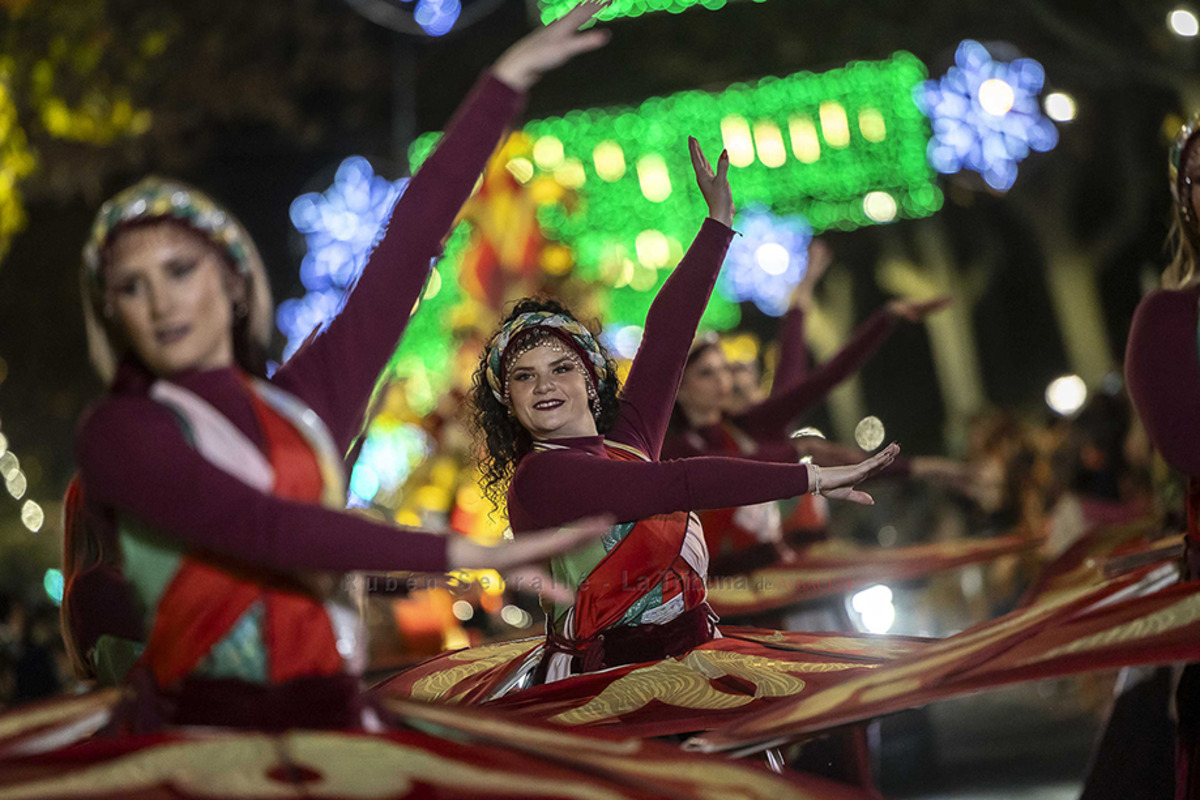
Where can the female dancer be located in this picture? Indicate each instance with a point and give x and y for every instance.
(1162, 369)
(203, 483)
(546, 398)
(702, 423)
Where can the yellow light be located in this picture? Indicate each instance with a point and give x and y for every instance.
(462, 610)
(654, 178)
(996, 97)
(740, 349)
(624, 273)
(653, 249)
(3, 444)
(571, 173)
(490, 581)
(609, 159)
(548, 152)
(521, 169)
(644, 278)
(455, 639)
(735, 133)
(769, 141)
(556, 259)
(871, 123)
(879, 206)
(408, 518)
(9, 465)
(1183, 22)
(32, 515)
(433, 286)
(1060, 106)
(869, 433)
(834, 125)
(805, 142)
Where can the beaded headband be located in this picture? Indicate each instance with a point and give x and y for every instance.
(567, 329)
(1181, 182)
(163, 198)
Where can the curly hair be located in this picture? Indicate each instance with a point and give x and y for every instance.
(505, 440)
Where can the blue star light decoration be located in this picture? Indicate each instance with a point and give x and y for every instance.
(986, 116)
(436, 17)
(766, 262)
(341, 226)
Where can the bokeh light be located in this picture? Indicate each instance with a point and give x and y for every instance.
(986, 116)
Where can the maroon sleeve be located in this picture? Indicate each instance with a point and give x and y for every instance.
(336, 373)
(555, 487)
(649, 393)
(1162, 370)
(133, 458)
(793, 357)
(769, 419)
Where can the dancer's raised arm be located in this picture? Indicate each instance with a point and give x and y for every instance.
(769, 419)
(675, 313)
(336, 372)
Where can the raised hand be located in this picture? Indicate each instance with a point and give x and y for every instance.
(839, 482)
(914, 311)
(552, 46)
(713, 185)
(819, 259)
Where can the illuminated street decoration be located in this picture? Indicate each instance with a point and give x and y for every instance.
(436, 17)
(340, 227)
(16, 162)
(815, 145)
(390, 453)
(551, 10)
(767, 261)
(986, 116)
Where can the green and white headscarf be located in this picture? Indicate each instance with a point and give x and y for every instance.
(568, 330)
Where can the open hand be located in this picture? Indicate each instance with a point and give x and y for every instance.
(914, 311)
(552, 46)
(527, 549)
(713, 185)
(839, 482)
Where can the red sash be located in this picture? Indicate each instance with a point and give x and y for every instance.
(649, 554)
(208, 595)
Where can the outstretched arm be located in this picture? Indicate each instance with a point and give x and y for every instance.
(793, 357)
(133, 458)
(553, 487)
(671, 322)
(336, 372)
(770, 418)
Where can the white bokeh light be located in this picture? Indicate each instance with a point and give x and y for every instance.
(874, 605)
(1183, 22)
(1066, 395)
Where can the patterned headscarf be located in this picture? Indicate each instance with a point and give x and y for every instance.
(1176, 168)
(567, 329)
(163, 198)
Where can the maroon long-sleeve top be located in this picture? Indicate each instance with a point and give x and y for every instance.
(133, 457)
(1162, 371)
(554, 486)
(795, 391)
